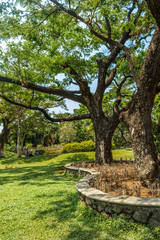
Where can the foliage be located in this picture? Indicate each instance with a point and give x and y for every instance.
(67, 133)
(41, 152)
(84, 130)
(86, 146)
(47, 39)
(121, 138)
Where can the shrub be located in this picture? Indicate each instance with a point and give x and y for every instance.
(86, 146)
(41, 152)
(51, 151)
(29, 145)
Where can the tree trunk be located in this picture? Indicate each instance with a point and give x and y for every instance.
(138, 121)
(19, 150)
(138, 116)
(104, 130)
(154, 6)
(103, 146)
(22, 141)
(3, 136)
(104, 127)
(43, 139)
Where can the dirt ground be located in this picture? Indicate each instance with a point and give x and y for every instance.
(120, 178)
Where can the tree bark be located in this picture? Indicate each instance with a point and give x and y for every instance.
(138, 117)
(104, 129)
(138, 121)
(103, 145)
(19, 150)
(154, 6)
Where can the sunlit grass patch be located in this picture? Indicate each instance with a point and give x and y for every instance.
(38, 201)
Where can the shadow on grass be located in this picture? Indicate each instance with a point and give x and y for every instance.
(24, 175)
(23, 160)
(65, 206)
(87, 225)
(63, 209)
(79, 157)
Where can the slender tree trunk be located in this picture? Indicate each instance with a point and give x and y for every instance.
(43, 139)
(19, 150)
(22, 141)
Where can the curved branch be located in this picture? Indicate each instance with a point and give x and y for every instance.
(82, 83)
(59, 92)
(119, 99)
(62, 119)
(110, 78)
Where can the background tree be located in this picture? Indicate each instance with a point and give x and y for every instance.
(7, 119)
(67, 132)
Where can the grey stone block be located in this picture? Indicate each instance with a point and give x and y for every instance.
(153, 222)
(100, 208)
(141, 216)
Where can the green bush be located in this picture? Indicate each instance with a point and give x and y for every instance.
(41, 152)
(29, 145)
(86, 146)
(51, 151)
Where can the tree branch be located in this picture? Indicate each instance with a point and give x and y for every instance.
(108, 40)
(59, 92)
(48, 15)
(110, 78)
(62, 119)
(83, 84)
(119, 99)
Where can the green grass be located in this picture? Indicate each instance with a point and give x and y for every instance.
(38, 201)
(123, 153)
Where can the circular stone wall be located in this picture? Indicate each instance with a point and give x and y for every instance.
(137, 209)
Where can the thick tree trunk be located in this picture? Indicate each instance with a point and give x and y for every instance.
(138, 121)
(104, 127)
(104, 130)
(103, 146)
(138, 116)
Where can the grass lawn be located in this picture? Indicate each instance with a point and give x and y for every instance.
(38, 201)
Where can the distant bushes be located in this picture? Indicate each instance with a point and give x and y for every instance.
(86, 146)
(48, 151)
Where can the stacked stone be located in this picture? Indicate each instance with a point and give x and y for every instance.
(135, 209)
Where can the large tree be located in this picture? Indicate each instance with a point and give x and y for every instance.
(138, 114)
(86, 41)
